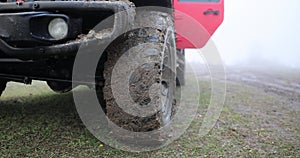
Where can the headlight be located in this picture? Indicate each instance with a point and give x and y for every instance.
(58, 28)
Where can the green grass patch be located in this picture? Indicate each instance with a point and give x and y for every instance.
(35, 122)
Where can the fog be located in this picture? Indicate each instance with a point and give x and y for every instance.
(259, 33)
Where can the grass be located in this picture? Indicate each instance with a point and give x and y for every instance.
(35, 122)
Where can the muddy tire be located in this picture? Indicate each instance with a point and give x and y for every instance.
(2, 86)
(150, 85)
(180, 78)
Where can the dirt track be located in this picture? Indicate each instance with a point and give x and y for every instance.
(270, 100)
(264, 104)
(285, 83)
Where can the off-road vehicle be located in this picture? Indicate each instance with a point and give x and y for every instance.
(39, 40)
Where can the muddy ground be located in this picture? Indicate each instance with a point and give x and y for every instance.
(271, 99)
(261, 118)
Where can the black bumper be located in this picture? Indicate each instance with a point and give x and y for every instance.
(70, 47)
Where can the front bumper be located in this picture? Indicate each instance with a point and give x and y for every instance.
(56, 48)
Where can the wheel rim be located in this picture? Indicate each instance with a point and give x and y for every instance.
(167, 86)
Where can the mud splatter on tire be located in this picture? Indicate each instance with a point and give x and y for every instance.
(141, 80)
(180, 80)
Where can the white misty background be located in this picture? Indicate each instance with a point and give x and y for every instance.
(259, 33)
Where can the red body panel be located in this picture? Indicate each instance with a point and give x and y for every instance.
(195, 22)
